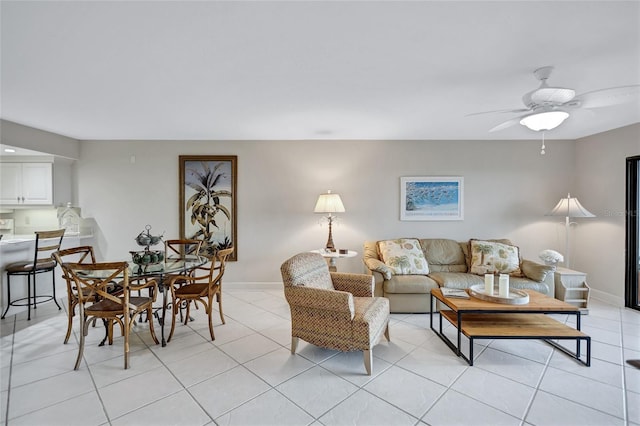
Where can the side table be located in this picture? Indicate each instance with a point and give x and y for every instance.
(331, 257)
(571, 287)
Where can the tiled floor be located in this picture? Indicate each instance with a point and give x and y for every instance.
(248, 377)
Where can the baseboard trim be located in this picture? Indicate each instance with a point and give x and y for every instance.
(608, 298)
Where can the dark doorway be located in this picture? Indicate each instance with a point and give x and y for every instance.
(633, 233)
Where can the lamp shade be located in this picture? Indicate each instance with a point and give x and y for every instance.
(329, 203)
(544, 120)
(570, 207)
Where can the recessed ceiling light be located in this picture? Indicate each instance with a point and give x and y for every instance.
(9, 150)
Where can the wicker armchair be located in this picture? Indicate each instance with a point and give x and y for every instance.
(333, 310)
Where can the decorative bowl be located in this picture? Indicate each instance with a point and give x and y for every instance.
(145, 239)
(147, 257)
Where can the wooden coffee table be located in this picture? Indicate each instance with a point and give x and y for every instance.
(479, 319)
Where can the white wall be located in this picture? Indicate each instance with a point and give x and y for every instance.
(509, 187)
(601, 182)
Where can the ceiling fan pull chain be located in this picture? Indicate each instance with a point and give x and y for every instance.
(543, 147)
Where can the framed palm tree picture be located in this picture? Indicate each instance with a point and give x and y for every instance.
(208, 201)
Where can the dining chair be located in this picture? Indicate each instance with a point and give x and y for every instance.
(201, 286)
(181, 247)
(93, 281)
(47, 242)
(333, 310)
(80, 254)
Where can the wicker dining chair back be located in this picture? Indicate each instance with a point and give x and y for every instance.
(81, 254)
(181, 247)
(93, 283)
(201, 286)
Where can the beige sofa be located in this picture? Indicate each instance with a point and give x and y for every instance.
(449, 264)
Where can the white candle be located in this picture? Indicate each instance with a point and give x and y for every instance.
(488, 284)
(503, 285)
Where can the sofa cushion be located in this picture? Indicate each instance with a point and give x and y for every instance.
(456, 279)
(409, 284)
(527, 284)
(536, 271)
(404, 256)
(491, 257)
(443, 255)
(466, 248)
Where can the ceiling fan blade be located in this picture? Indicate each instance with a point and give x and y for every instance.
(499, 111)
(505, 125)
(608, 97)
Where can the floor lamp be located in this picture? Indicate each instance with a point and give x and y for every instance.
(568, 208)
(329, 203)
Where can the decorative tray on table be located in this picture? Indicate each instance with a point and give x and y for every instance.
(516, 297)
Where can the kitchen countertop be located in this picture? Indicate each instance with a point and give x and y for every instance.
(10, 239)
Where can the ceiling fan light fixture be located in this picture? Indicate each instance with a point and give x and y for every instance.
(546, 120)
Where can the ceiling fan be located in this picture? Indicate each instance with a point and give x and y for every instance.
(547, 107)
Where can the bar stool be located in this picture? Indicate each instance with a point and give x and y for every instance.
(47, 242)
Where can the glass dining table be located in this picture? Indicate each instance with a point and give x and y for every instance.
(170, 266)
(160, 271)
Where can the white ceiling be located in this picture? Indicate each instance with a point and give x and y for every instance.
(232, 70)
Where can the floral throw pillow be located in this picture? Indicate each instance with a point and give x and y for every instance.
(403, 256)
(489, 257)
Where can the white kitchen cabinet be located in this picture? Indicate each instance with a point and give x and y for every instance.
(26, 184)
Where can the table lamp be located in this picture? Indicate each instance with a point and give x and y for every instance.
(328, 204)
(569, 207)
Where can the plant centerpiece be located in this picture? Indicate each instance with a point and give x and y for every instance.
(146, 257)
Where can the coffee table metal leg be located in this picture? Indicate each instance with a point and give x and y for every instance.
(431, 312)
(459, 352)
(574, 355)
(578, 328)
